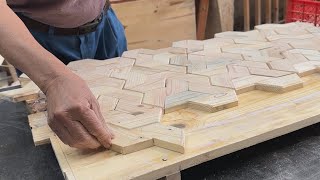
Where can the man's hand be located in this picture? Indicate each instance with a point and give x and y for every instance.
(74, 114)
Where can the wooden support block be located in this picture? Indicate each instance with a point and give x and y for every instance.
(40, 129)
(280, 84)
(167, 137)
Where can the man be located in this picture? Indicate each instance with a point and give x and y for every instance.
(67, 30)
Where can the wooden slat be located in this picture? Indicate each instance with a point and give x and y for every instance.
(246, 11)
(276, 11)
(258, 12)
(202, 19)
(268, 11)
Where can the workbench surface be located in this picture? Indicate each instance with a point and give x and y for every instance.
(293, 156)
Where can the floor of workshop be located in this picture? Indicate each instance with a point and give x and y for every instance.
(293, 156)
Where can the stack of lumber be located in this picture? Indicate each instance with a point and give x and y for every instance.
(177, 107)
(8, 76)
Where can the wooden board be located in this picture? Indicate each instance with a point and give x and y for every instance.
(174, 120)
(156, 24)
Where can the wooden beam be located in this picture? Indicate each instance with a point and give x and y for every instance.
(246, 14)
(258, 12)
(268, 11)
(202, 19)
(275, 11)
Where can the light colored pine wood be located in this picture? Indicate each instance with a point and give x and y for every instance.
(274, 91)
(41, 132)
(247, 83)
(237, 71)
(281, 84)
(126, 142)
(282, 65)
(167, 137)
(267, 72)
(223, 80)
(222, 134)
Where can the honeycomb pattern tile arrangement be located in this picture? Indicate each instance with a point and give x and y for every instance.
(135, 90)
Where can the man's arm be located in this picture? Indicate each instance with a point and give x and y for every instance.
(73, 112)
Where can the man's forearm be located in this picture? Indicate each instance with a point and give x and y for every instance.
(23, 51)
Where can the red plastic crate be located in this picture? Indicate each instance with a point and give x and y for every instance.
(303, 11)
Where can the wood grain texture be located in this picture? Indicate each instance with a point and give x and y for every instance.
(147, 22)
(256, 88)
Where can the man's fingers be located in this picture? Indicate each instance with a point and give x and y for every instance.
(97, 110)
(72, 132)
(60, 131)
(81, 138)
(95, 127)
